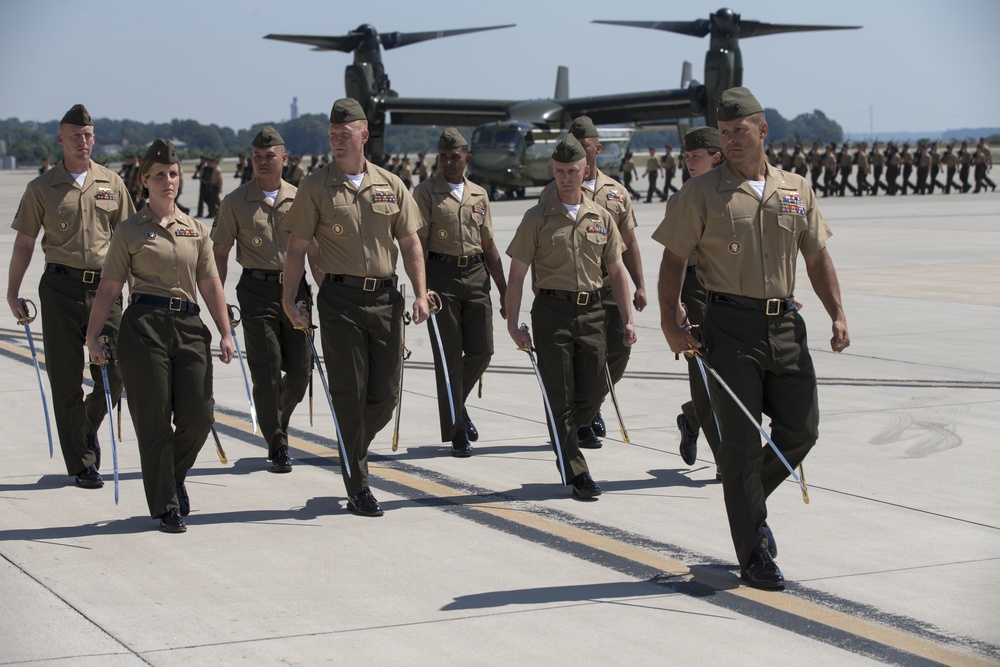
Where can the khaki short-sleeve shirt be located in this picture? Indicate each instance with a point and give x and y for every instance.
(248, 220)
(78, 222)
(453, 227)
(567, 253)
(355, 229)
(164, 260)
(610, 195)
(745, 246)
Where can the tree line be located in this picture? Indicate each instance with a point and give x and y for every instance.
(30, 141)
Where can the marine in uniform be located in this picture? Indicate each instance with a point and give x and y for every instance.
(164, 349)
(669, 169)
(628, 173)
(878, 165)
(964, 165)
(893, 162)
(358, 213)
(748, 222)
(278, 355)
(566, 238)
(906, 157)
(653, 169)
(610, 195)
(702, 152)
(861, 161)
(461, 256)
(846, 161)
(77, 206)
(983, 162)
(211, 178)
(829, 172)
(923, 162)
(950, 162)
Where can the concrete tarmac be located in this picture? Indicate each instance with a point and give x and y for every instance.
(489, 560)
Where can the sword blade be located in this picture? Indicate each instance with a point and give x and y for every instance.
(614, 401)
(753, 421)
(246, 380)
(552, 420)
(41, 388)
(329, 399)
(444, 366)
(218, 447)
(111, 425)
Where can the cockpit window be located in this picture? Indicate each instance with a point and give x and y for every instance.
(503, 137)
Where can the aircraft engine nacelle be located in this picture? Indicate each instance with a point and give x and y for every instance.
(359, 83)
(722, 71)
(548, 113)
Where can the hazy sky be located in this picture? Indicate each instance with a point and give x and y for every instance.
(915, 65)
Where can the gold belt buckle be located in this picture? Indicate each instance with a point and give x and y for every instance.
(463, 261)
(369, 281)
(281, 277)
(773, 307)
(583, 298)
(89, 276)
(173, 300)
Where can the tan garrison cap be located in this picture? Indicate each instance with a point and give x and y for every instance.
(267, 137)
(162, 151)
(346, 110)
(568, 150)
(583, 127)
(702, 137)
(77, 115)
(737, 103)
(451, 138)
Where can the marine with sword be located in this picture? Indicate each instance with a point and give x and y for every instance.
(358, 213)
(461, 256)
(278, 356)
(748, 222)
(566, 238)
(77, 205)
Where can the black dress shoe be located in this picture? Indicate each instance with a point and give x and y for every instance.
(689, 440)
(89, 478)
(364, 504)
(470, 428)
(588, 439)
(183, 500)
(281, 461)
(762, 572)
(772, 545)
(94, 446)
(598, 425)
(171, 522)
(460, 447)
(584, 486)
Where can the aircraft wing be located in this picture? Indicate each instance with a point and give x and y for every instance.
(638, 107)
(430, 111)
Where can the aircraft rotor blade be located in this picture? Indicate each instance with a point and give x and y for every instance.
(759, 29)
(347, 43)
(698, 28)
(392, 40)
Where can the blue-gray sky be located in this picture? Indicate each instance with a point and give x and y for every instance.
(918, 65)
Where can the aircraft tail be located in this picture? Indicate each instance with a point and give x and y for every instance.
(562, 83)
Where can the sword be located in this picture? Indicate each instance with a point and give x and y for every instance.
(402, 364)
(233, 323)
(218, 447)
(108, 359)
(703, 364)
(25, 322)
(548, 407)
(614, 399)
(434, 305)
(480, 386)
(312, 363)
(329, 399)
(805, 489)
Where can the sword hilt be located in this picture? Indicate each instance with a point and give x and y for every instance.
(524, 329)
(234, 319)
(31, 315)
(434, 302)
(109, 357)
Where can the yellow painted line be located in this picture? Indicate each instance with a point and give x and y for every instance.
(802, 608)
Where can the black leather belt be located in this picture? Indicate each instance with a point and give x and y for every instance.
(769, 306)
(87, 276)
(367, 284)
(176, 304)
(580, 298)
(461, 261)
(269, 276)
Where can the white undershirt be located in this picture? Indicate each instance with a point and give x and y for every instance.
(574, 211)
(356, 179)
(758, 187)
(270, 196)
(458, 189)
(591, 184)
(79, 178)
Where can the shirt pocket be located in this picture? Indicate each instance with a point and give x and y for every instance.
(790, 229)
